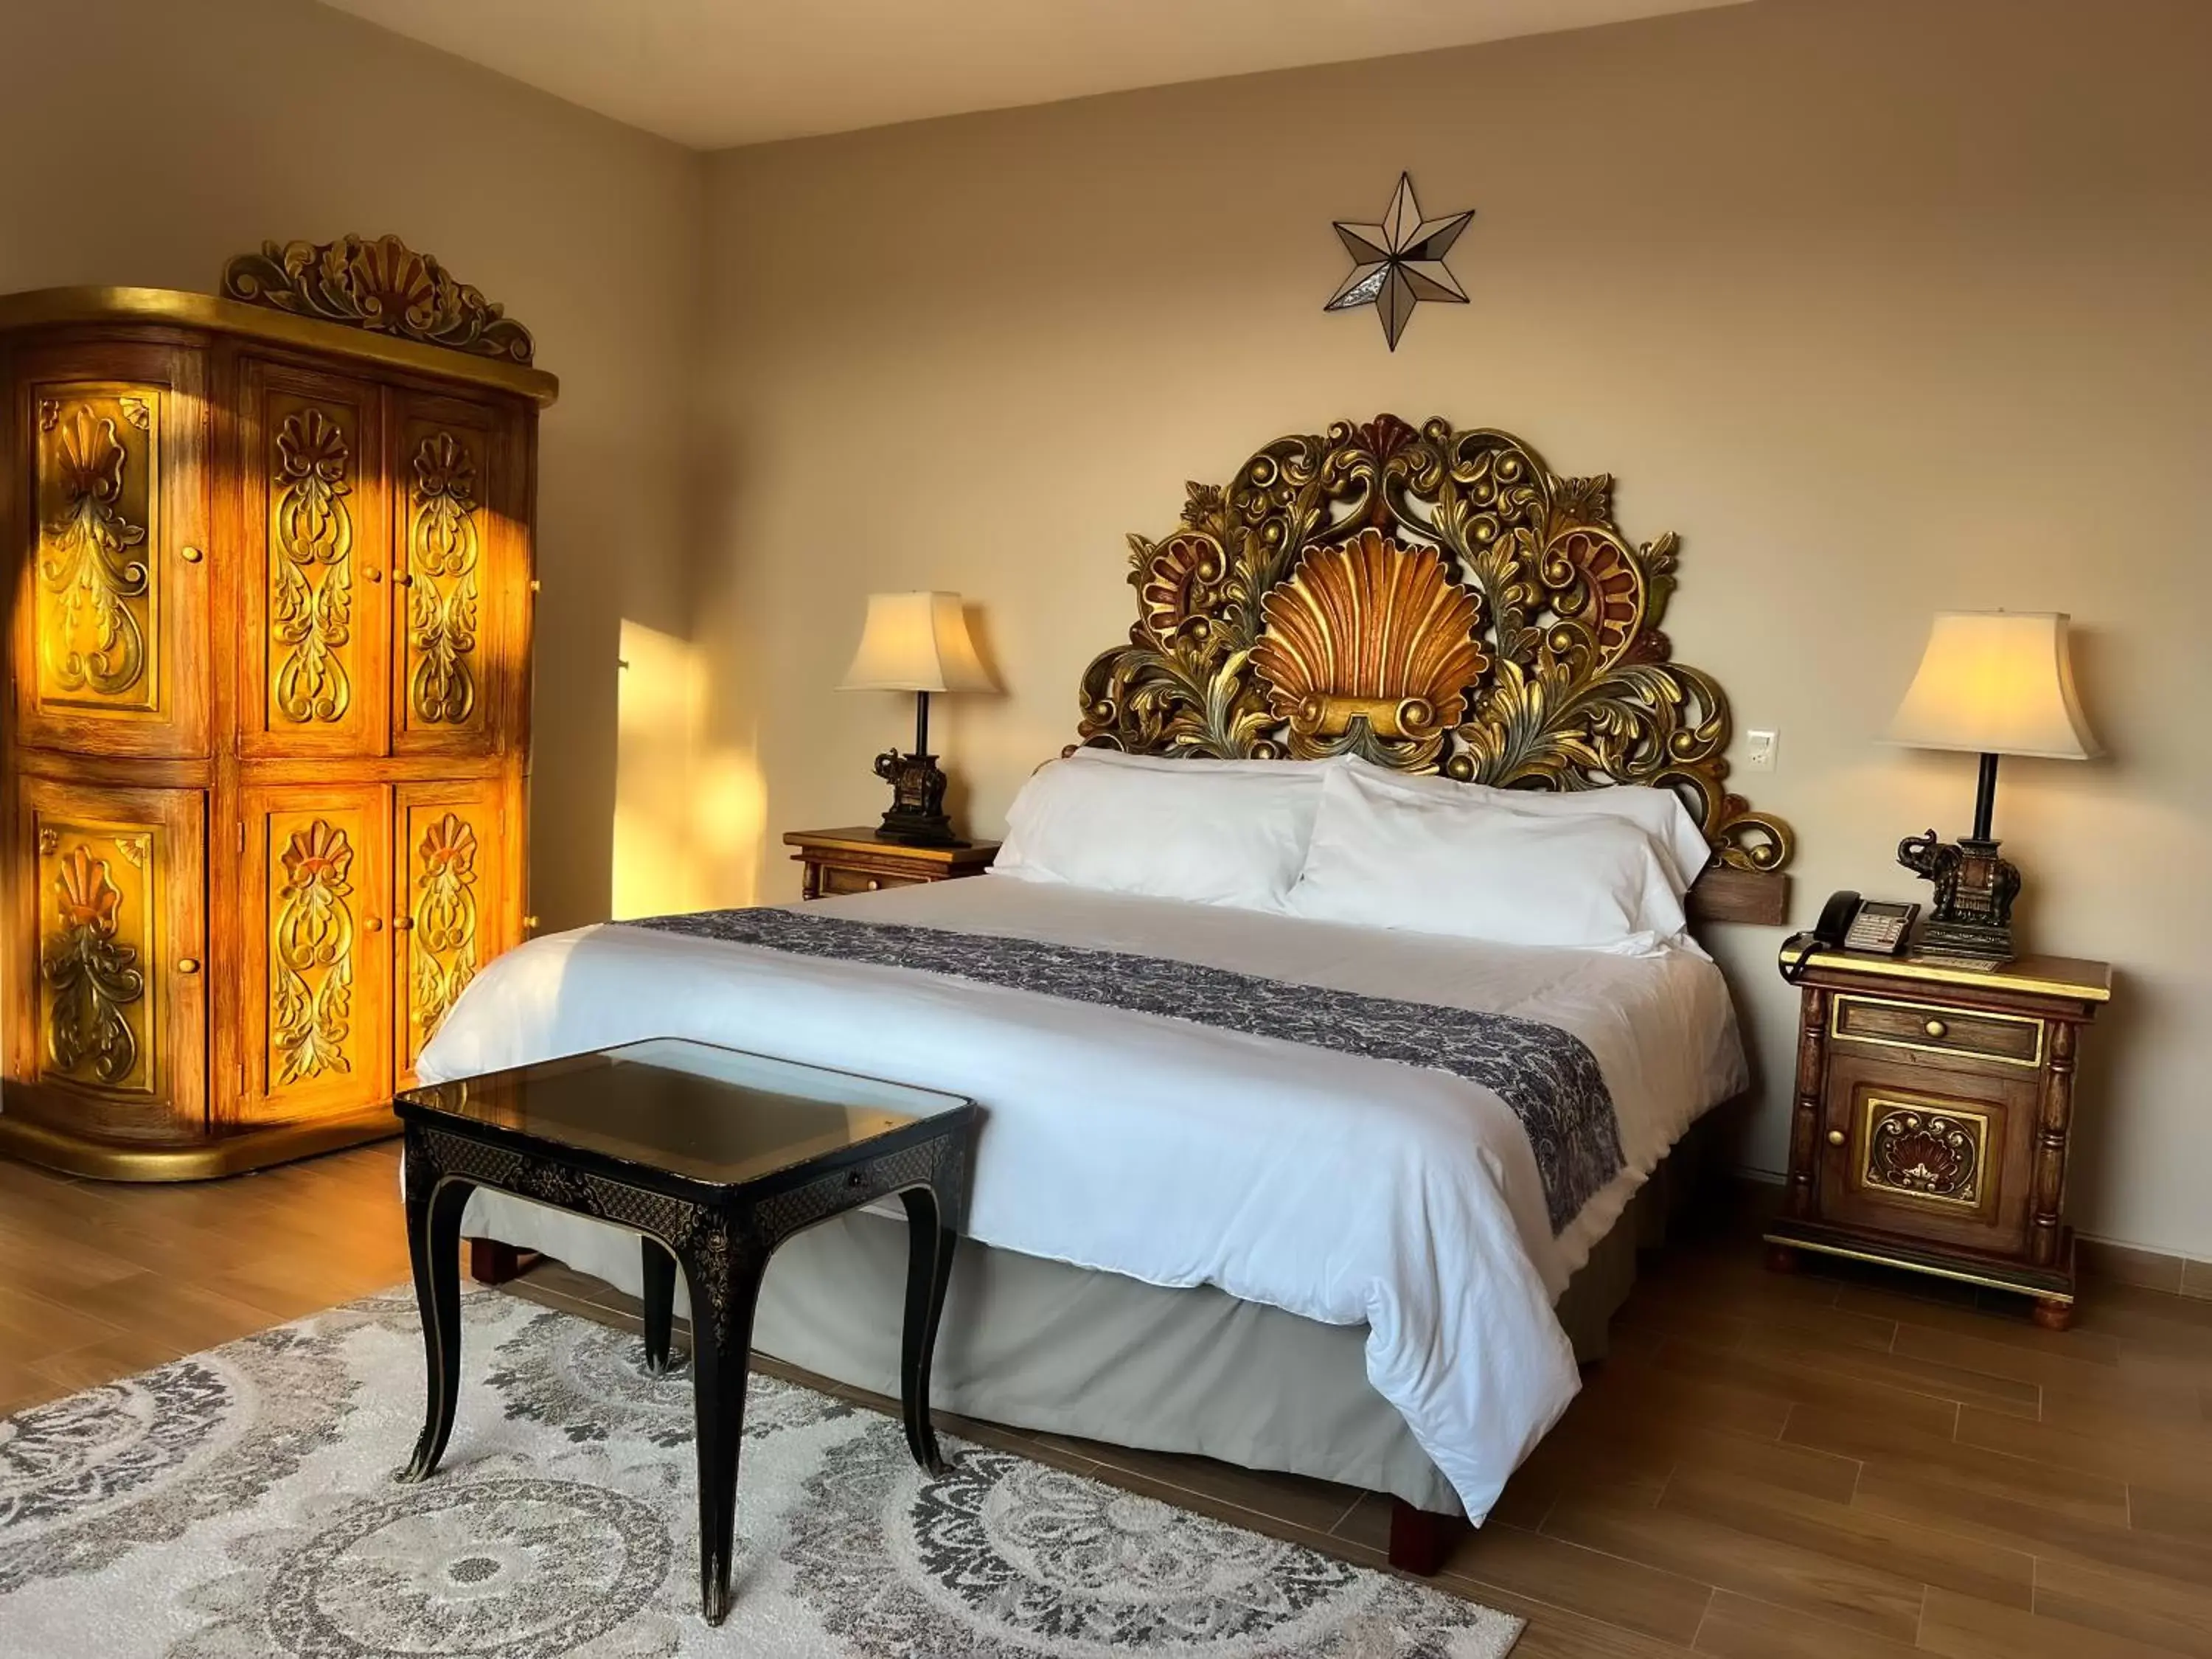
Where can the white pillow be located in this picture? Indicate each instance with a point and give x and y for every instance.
(1387, 853)
(1221, 832)
(1092, 755)
(1658, 812)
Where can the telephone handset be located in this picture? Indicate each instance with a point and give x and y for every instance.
(1880, 927)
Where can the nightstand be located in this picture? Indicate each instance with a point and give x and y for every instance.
(839, 861)
(1932, 1110)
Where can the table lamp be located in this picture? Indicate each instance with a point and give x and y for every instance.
(1991, 682)
(916, 643)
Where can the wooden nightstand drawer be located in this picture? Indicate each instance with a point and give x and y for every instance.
(837, 880)
(2011, 1039)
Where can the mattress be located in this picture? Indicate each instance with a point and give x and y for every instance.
(1349, 1191)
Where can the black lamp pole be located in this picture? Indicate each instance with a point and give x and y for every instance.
(1985, 796)
(922, 736)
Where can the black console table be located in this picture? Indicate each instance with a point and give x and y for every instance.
(716, 1157)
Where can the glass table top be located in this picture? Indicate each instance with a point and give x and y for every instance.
(709, 1114)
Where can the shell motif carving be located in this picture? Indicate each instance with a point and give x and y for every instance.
(1369, 635)
(380, 285)
(1433, 600)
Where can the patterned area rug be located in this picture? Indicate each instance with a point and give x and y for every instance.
(239, 1504)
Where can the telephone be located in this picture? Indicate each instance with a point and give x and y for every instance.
(1878, 927)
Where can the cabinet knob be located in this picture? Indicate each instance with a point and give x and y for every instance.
(535, 585)
(1935, 1028)
(874, 886)
(190, 554)
(374, 925)
(403, 924)
(402, 579)
(374, 574)
(530, 924)
(1835, 1136)
(188, 964)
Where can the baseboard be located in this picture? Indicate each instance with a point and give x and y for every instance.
(2153, 1270)
(1760, 1193)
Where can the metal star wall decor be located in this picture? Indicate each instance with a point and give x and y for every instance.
(1400, 262)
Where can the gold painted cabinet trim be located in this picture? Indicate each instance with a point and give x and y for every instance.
(48, 307)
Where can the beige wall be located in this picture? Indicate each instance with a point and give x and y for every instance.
(1886, 306)
(145, 143)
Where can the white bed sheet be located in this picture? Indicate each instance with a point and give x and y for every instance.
(1345, 1189)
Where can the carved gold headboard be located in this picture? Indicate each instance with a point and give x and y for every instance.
(1435, 600)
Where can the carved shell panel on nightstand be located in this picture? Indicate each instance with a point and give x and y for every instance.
(1923, 1153)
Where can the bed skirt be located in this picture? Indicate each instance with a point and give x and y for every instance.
(1052, 1348)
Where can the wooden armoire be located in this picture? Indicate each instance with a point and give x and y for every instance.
(268, 721)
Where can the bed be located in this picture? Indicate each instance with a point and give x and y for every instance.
(1236, 1226)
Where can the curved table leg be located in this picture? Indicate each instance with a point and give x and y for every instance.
(928, 1270)
(433, 1242)
(724, 1280)
(660, 1303)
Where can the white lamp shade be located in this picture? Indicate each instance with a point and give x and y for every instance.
(915, 642)
(1995, 682)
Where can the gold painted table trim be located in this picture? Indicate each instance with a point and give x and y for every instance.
(1844, 998)
(1992, 1280)
(2072, 977)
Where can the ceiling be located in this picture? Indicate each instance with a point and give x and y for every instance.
(714, 73)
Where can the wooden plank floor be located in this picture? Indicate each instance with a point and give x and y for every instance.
(1847, 1464)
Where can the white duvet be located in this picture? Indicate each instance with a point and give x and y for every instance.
(1345, 1189)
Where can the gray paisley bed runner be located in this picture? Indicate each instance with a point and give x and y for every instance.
(1547, 1077)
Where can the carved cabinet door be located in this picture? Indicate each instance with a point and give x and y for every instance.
(108, 517)
(318, 996)
(1930, 1146)
(460, 503)
(108, 1017)
(451, 916)
(312, 674)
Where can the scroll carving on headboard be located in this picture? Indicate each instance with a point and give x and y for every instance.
(1437, 600)
(379, 284)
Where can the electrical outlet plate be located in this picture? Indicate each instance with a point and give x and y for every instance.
(1759, 748)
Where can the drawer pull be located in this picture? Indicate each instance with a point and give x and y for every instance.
(190, 554)
(1835, 1136)
(403, 924)
(188, 964)
(374, 925)
(374, 574)
(1936, 1027)
(402, 578)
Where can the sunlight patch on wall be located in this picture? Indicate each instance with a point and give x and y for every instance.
(688, 819)
(658, 710)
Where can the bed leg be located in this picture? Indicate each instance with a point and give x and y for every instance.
(1421, 1538)
(490, 1262)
